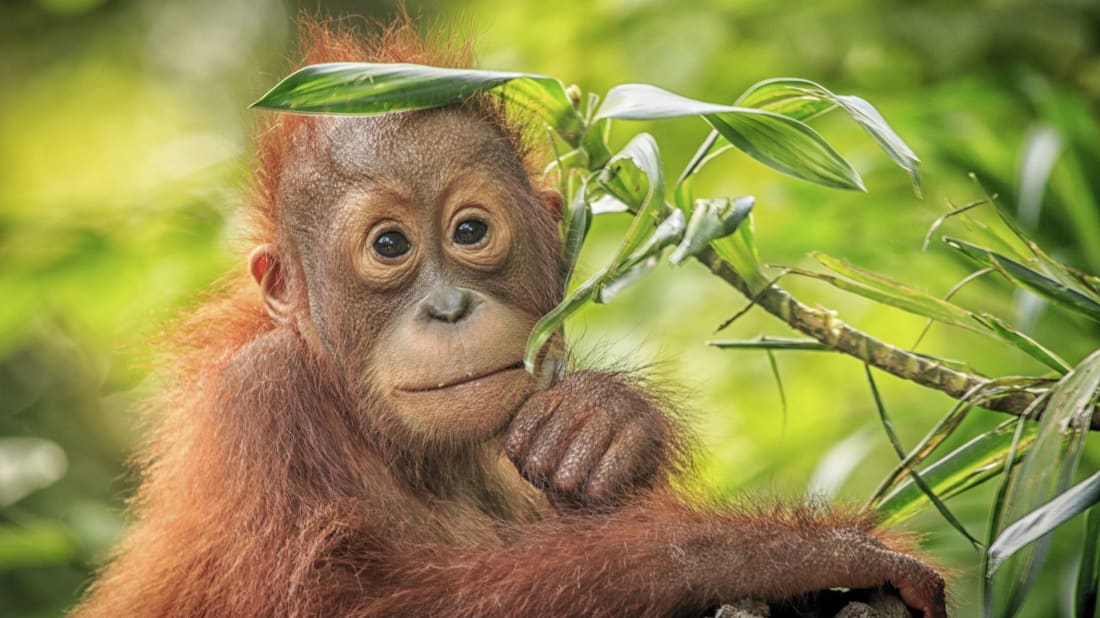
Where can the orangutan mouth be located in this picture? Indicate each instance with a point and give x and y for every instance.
(516, 366)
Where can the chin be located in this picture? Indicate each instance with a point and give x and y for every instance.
(467, 410)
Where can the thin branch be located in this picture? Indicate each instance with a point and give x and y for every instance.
(825, 327)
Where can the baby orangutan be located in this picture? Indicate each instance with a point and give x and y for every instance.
(360, 438)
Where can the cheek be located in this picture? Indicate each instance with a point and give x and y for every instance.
(540, 265)
(348, 321)
(532, 283)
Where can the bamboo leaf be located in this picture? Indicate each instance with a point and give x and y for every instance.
(1045, 472)
(787, 145)
(575, 220)
(633, 176)
(778, 384)
(778, 141)
(802, 99)
(1044, 520)
(884, 290)
(876, 287)
(552, 322)
(595, 142)
(623, 278)
(954, 212)
(1080, 300)
(928, 492)
(1088, 575)
(968, 466)
(644, 258)
(647, 102)
(604, 203)
(669, 232)
(876, 126)
(710, 220)
(1022, 342)
(929, 443)
(372, 88)
(947, 297)
(739, 250)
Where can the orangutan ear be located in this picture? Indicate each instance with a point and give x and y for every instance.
(553, 201)
(268, 273)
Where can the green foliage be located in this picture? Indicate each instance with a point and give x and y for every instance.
(364, 88)
(1044, 475)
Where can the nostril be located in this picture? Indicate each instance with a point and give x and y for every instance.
(448, 304)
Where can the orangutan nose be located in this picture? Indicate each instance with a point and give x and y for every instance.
(447, 304)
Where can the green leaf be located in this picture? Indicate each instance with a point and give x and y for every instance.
(623, 278)
(552, 322)
(778, 384)
(786, 145)
(574, 226)
(968, 466)
(890, 292)
(778, 141)
(370, 88)
(977, 395)
(1023, 248)
(702, 156)
(1080, 300)
(575, 159)
(929, 443)
(595, 142)
(632, 176)
(647, 102)
(1045, 472)
(928, 492)
(876, 126)
(881, 289)
(802, 99)
(1044, 520)
(644, 258)
(1022, 342)
(604, 285)
(710, 220)
(669, 232)
(739, 250)
(1088, 576)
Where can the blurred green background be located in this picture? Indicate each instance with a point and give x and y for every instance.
(124, 143)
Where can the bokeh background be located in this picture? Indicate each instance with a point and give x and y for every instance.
(124, 144)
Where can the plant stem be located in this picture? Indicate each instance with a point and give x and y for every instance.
(824, 326)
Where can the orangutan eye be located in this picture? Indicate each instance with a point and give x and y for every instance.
(471, 232)
(391, 245)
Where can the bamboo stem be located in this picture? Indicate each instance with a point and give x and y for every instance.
(824, 326)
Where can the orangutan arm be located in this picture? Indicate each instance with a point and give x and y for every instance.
(653, 560)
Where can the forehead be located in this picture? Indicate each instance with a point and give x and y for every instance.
(420, 150)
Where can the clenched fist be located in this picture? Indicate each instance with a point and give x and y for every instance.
(589, 440)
